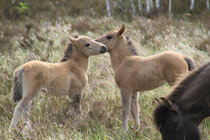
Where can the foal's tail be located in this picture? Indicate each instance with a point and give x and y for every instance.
(17, 85)
(190, 63)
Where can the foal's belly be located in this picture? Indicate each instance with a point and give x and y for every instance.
(148, 85)
(57, 87)
(56, 91)
(139, 74)
(69, 87)
(139, 81)
(60, 92)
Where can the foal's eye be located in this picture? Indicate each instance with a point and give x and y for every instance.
(87, 44)
(109, 37)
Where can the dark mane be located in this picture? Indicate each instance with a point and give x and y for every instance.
(67, 52)
(131, 47)
(181, 88)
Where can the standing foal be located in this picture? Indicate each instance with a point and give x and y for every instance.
(134, 73)
(64, 78)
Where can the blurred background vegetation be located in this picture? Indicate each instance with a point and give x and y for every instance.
(29, 14)
(124, 9)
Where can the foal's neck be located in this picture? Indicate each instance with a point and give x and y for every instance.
(80, 59)
(119, 52)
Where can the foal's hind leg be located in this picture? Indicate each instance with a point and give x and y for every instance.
(126, 103)
(25, 116)
(20, 110)
(135, 110)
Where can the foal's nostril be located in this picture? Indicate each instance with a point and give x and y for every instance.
(103, 49)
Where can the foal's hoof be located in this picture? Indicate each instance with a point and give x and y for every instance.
(137, 132)
(10, 130)
(27, 132)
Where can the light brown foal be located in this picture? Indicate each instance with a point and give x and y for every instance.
(134, 73)
(68, 77)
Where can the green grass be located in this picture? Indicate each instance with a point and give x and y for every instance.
(101, 103)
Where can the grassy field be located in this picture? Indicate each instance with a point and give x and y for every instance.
(101, 103)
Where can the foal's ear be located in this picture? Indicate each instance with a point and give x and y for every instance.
(121, 31)
(169, 104)
(73, 40)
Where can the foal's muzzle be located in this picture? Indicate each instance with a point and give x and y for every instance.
(103, 49)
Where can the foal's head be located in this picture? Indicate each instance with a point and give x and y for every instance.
(173, 123)
(88, 46)
(111, 39)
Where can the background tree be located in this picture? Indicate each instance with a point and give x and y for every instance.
(192, 3)
(133, 9)
(139, 6)
(169, 8)
(151, 3)
(147, 6)
(157, 4)
(207, 4)
(108, 10)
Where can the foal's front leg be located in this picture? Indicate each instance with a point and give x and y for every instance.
(76, 102)
(126, 103)
(135, 110)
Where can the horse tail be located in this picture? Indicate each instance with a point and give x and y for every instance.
(17, 85)
(190, 63)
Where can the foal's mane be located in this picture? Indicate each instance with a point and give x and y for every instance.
(67, 53)
(69, 50)
(180, 89)
(131, 47)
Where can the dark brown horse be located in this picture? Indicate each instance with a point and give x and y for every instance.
(178, 116)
